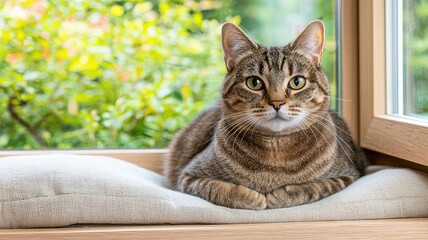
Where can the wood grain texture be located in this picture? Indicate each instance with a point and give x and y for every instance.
(377, 158)
(350, 102)
(372, 62)
(368, 229)
(365, 64)
(386, 135)
(147, 158)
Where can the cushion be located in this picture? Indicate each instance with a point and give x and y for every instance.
(60, 190)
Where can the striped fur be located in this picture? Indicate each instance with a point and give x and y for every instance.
(242, 153)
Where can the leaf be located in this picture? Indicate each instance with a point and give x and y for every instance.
(117, 10)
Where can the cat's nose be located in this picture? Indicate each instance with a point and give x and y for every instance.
(276, 104)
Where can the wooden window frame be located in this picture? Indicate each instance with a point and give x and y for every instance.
(350, 88)
(355, 69)
(380, 132)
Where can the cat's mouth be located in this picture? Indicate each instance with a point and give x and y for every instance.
(280, 116)
(279, 122)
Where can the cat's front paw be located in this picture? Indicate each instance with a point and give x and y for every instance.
(246, 198)
(278, 198)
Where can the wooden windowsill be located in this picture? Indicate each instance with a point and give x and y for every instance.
(147, 158)
(412, 228)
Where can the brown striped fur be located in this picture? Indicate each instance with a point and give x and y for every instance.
(243, 153)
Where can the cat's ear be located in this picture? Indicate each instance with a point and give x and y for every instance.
(311, 42)
(236, 44)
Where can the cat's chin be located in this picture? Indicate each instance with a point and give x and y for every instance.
(279, 124)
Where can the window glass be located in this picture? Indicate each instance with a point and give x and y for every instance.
(408, 58)
(126, 74)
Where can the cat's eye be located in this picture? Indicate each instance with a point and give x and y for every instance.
(297, 83)
(254, 83)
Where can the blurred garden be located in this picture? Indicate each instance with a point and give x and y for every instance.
(126, 74)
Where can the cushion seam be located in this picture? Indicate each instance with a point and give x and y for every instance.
(81, 194)
(153, 197)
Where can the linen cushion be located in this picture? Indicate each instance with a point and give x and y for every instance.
(61, 190)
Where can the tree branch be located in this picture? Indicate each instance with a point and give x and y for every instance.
(34, 132)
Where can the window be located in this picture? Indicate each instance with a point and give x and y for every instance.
(127, 74)
(407, 68)
(392, 80)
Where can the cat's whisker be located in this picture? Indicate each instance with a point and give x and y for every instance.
(309, 127)
(238, 131)
(341, 99)
(314, 118)
(252, 125)
(329, 129)
(341, 129)
(336, 136)
(329, 120)
(344, 131)
(227, 130)
(231, 116)
(234, 115)
(217, 122)
(236, 126)
(244, 127)
(328, 141)
(301, 128)
(311, 111)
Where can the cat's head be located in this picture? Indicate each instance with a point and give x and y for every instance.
(276, 89)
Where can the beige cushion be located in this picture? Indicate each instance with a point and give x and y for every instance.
(60, 190)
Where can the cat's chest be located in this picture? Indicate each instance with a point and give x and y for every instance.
(264, 164)
(281, 168)
(266, 181)
(285, 149)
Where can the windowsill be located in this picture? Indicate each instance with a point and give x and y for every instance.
(147, 158)
(416, 228)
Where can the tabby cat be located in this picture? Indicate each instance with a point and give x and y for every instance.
(271, 141)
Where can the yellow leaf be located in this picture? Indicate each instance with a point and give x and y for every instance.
(117, 10)
(20, 35)
(236, 20)
(185, 91)
(197, 17)
(163, 7)
(61, 54)
(5, 36)
(27, 3)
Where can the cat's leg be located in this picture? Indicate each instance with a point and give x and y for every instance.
(222, 193)
(188, 143)
(293, 195)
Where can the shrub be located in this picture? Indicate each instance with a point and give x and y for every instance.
(91, 74)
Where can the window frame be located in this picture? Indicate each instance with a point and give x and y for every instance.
(399, 137)
(350, 66)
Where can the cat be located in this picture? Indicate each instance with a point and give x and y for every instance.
(271, 141)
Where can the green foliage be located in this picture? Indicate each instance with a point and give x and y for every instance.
(92, 73)
(415, 18)
(124, 74)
